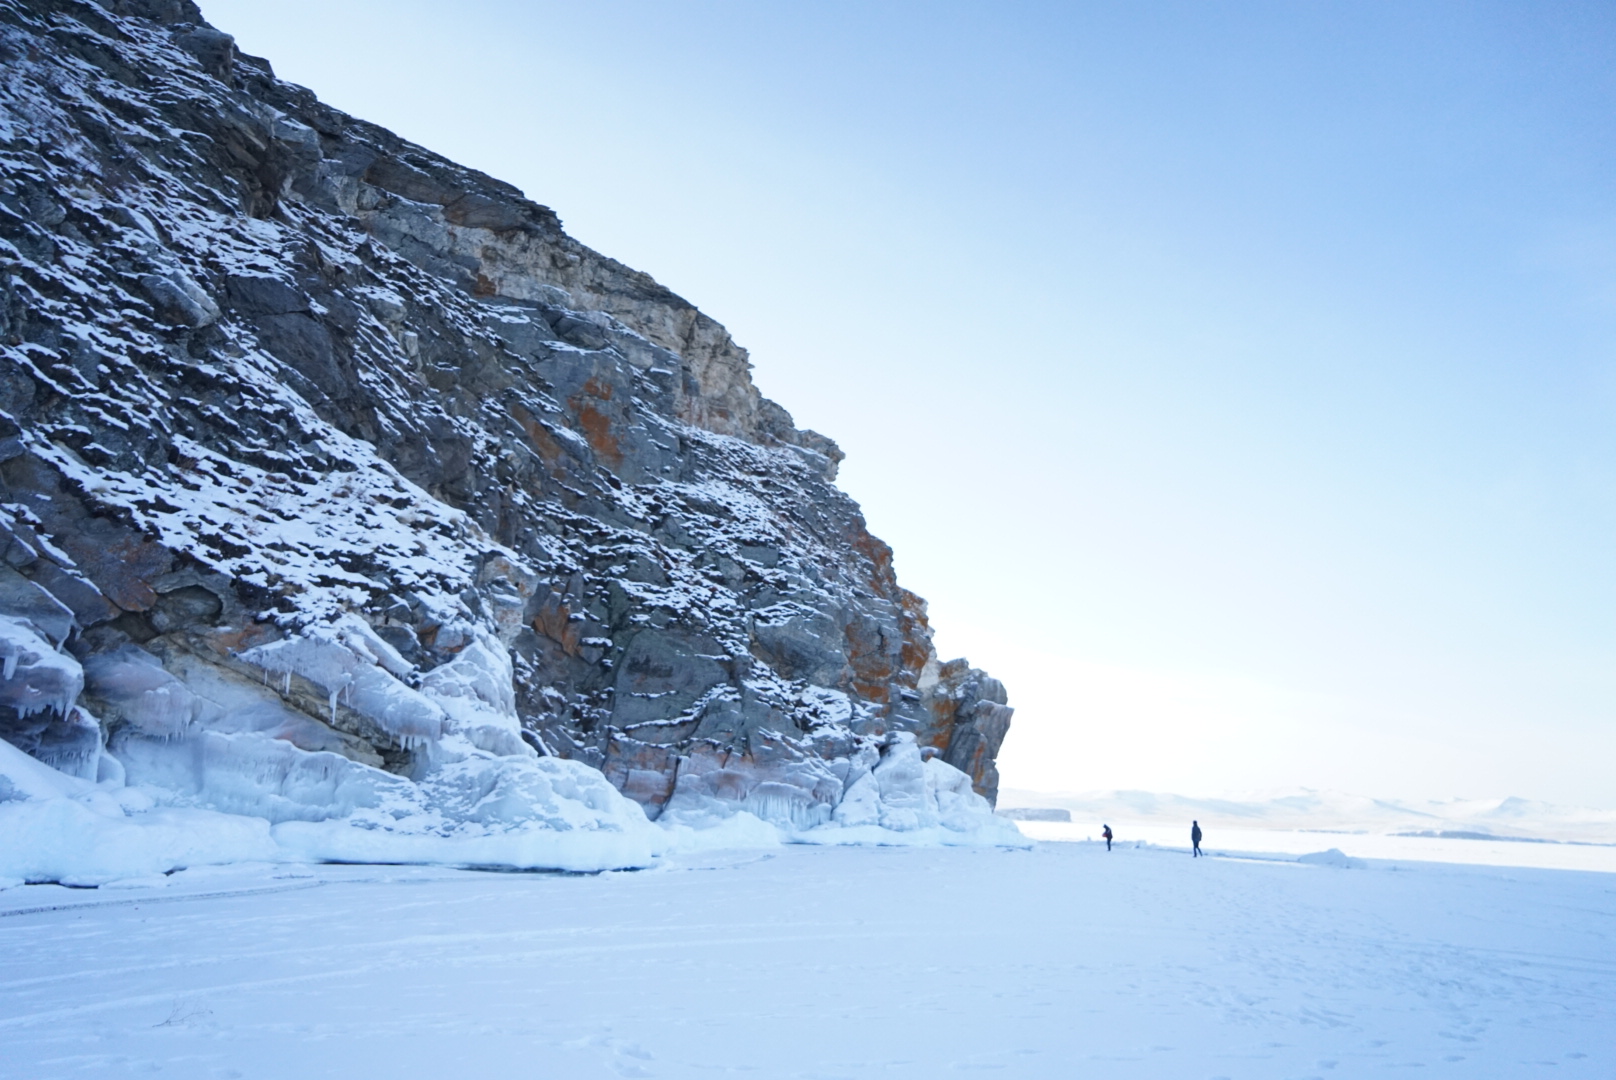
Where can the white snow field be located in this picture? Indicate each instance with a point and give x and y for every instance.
(817, 962)
(1290, 843)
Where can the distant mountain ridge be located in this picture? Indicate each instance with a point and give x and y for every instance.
(1502, 819)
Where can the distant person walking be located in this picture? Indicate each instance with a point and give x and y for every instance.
(1195, 839)
(1105, 831)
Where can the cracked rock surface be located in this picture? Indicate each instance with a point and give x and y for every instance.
(311, 435)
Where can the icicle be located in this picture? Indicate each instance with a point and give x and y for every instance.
(11, 663)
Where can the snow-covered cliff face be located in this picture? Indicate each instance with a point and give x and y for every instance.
(326, 459)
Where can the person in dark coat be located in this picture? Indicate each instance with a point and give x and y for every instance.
(1195, 839)
(1105, 831)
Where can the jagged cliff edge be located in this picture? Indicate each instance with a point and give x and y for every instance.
(345, 491)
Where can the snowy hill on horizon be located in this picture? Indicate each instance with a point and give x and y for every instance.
(1509, 818)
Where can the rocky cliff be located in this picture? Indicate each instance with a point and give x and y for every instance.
(311, 437)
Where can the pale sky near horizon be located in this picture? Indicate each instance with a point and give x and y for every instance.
(1236, 381)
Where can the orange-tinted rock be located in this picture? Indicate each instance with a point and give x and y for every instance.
(335, 375)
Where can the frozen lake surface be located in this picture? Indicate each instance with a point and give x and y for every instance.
(1064, 961)
(1288, 843)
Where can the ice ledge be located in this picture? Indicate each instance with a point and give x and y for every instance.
(481, 811)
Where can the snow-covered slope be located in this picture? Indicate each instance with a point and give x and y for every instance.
(340, 485)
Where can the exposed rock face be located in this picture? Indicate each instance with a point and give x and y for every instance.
(307, 431)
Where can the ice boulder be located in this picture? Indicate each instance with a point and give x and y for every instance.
(475, 692)
(61, 828)
(34, 677)
(206, 797)
(140, 694)
(905, 799)
(896, 796)
(74, 842)
(25, 777)
(909, 799)
(486, 810)
(1333, 857)
(471, 808)
(39, 692)
(253, 774)
(145, 696)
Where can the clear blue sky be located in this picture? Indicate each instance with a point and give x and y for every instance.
(1237, 381)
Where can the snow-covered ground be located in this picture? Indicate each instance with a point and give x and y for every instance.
(817, 962)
